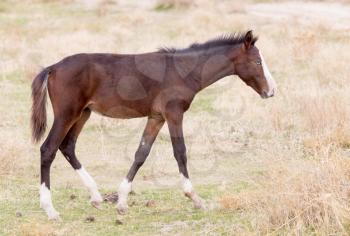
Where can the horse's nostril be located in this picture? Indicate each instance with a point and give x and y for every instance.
(273, 92)
(264, 94)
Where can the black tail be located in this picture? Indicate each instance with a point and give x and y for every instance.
(39, 95)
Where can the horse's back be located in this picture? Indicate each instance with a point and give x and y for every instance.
(109, 84)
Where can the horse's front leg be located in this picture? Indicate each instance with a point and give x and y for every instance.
(174, 118)
(154, 124)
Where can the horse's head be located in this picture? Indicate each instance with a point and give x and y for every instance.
(252, 69)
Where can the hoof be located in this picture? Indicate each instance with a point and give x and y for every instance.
(54, 216)
(198, 205)
(122, 209)
(198, 202)
(96, 204)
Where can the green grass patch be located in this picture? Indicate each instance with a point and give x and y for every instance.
(172, 213)
(164, 7)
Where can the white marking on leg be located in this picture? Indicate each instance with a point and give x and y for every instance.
(46, 203)
(123, 191)
(270, 81)
(190, 193)
(186, 185)
(90, 184)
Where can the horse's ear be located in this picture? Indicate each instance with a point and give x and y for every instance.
(249, 40)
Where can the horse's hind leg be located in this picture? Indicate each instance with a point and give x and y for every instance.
(48, 151)
(67, 148)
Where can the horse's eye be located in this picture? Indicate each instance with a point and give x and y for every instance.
(258, 62)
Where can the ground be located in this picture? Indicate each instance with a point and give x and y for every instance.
(277, 166)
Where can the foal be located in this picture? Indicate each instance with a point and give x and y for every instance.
(159, 85)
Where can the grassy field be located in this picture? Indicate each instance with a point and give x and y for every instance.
(279, 166)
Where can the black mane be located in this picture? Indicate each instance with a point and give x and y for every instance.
(224, 40)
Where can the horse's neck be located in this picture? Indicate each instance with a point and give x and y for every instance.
(214, 64)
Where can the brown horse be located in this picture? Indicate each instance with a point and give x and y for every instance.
(159, 85)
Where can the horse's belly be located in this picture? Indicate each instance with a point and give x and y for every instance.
(118, 111)
(120, 102)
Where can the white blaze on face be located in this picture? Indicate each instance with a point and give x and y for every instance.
(90, 184)
(270, 81)
(46, 203)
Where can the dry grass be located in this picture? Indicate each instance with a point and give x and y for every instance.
(36, 229)
(297, 196)
(292, 151)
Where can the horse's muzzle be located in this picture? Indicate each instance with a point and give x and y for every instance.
(270, 94)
